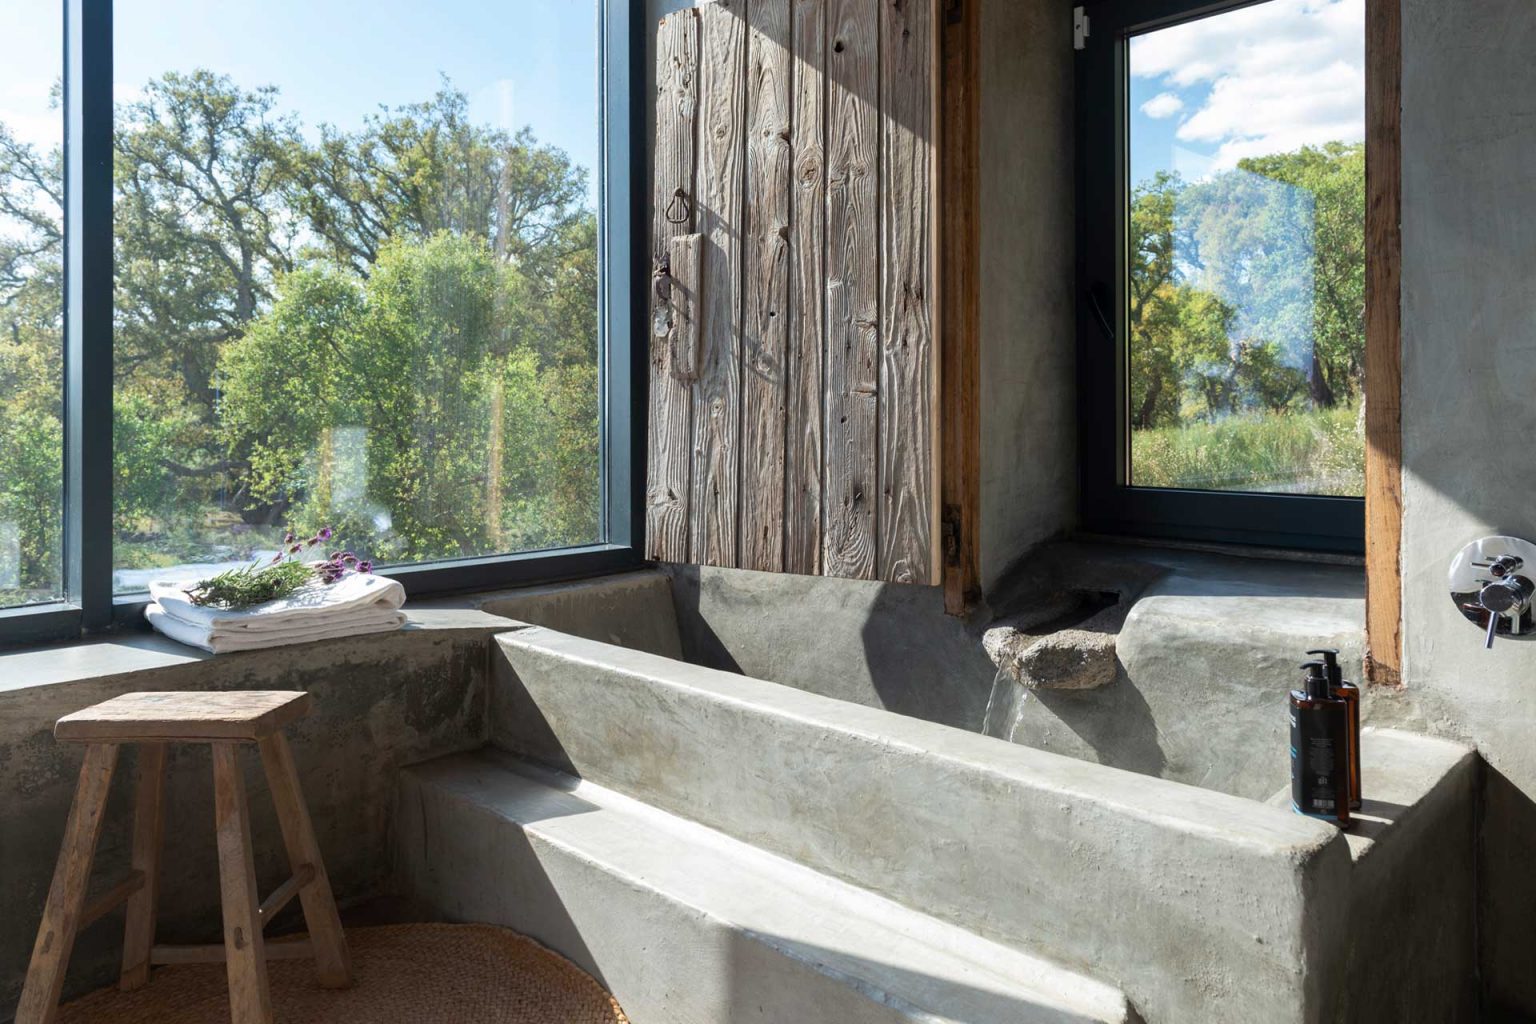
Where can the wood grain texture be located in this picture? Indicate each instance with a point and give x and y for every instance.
(669, 461)
(333, 965)
(959, 313)
(66, 896)
(907, 471)
(853, 288)
(208, 715)
(245, 958)
(148, 827)
(687, 255)
(805, 350)
(213, 953)
(765, 395)
(1383, 343)
(715, 504)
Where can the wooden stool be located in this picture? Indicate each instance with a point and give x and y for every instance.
(224, 721)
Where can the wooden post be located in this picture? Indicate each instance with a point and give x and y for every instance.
(1383, 343)
(148, 824)
(333, 966)
(66, 896)
(246, 963)
(959, 315)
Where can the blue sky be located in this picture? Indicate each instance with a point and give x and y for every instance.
(1263, 79)
(532, 62)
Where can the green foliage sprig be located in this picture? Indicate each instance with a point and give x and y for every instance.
(283, 576)
(250, 585)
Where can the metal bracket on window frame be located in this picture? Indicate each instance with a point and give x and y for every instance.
(1079, 28)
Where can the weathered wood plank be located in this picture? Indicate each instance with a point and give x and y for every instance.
(959, 308)
(148, 831)
(66, 896)
(853, 283)
(687, 256)
(245, 962)
(670, 455)
(1383, 342)
(907, 365)
(716, 494)
(333, 961)
(807, 292)
(765, 397)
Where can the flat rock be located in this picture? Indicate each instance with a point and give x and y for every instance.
(1081, 657)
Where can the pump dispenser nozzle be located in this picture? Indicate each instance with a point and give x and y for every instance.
(1318, 685)
(1330, 656)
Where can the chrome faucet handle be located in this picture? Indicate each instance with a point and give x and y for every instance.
(1509, 596)
(1487, 584)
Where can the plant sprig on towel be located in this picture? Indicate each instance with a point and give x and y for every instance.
(249, 585)
(285, 575)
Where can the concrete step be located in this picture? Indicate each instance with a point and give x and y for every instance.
(686, 925)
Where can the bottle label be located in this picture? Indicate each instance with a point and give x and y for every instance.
(1319, 779)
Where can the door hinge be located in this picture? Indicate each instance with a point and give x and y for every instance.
(1079, 28)
(949, 525)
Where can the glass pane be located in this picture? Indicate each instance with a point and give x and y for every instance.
(1246, 283)
(31, 303)
(357, 280)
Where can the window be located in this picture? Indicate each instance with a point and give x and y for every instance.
(385, 286)
(31, 306)
(1222, 270)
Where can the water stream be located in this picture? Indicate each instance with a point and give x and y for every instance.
(1005, 707)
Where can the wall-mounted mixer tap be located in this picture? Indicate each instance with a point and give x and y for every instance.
(1490, 589)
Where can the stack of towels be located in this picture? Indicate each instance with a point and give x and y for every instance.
(355, 604)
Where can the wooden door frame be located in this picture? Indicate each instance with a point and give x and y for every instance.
(1383, 343)
(959, 310)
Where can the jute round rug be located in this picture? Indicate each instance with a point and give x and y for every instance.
(403, 974)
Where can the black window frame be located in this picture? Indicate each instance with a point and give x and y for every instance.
(1108, 504)
(89, 606)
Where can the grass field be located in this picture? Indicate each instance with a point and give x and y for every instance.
(1305, 452)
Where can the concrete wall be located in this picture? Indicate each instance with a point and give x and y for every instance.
(1028, 331)
(381, 702)
(1469, 364)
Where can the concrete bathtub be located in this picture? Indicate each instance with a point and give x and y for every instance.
(1199, 905)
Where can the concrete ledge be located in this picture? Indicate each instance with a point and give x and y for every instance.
(1194, 902)
(630, 610)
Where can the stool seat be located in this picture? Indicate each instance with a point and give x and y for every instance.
(184, 717)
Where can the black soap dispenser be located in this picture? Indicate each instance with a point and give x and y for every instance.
(1319, 749)
(1349, 693)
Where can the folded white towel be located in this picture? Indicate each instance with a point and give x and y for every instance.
(357, 604)
(224, 643)
(353, 592)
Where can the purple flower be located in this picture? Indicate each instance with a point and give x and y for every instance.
(326, 533)
(365, 566)
(349, 558)
(296, 549)
(288, 538)
(276, 558)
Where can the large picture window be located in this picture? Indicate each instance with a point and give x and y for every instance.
(338, 265)
(1223, 270)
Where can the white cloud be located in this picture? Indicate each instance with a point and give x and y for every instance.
(1164, 104)
(1280, 75)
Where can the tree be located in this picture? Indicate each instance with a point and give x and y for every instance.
(403, 409)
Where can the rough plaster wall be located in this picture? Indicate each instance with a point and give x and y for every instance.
(1469, 364)
(1028, 367)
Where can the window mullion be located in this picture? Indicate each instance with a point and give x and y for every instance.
(88, 310)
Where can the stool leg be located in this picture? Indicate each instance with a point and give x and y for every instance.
(66, 897)
(333, 965)
(148, 823)
(244, 950)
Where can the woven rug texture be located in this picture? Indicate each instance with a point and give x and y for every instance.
(402, 974)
